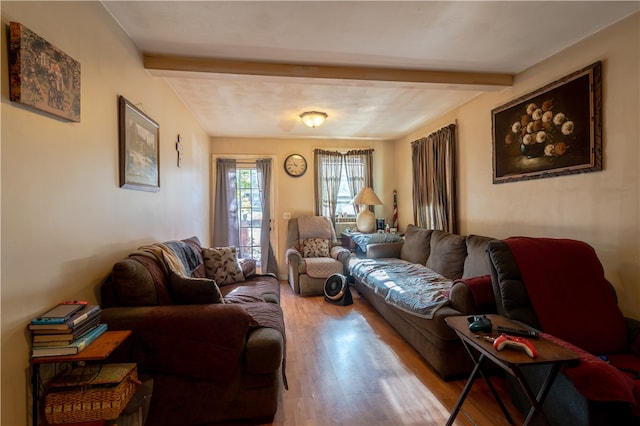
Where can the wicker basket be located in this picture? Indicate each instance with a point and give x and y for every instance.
(90, 393)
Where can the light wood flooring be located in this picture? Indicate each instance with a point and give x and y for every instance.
(347, 366)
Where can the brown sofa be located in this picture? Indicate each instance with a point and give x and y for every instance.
(460, 259)
(214, 352)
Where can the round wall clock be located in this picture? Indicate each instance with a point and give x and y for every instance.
(295, 165)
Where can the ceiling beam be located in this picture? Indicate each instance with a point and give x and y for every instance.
(227, 66)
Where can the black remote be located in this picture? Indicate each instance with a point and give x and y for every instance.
(517, 331)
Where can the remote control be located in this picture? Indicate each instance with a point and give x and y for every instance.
(517, 331)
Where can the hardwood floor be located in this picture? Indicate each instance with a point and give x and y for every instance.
(347, 366)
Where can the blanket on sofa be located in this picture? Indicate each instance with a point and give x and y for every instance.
(177, 256)
(410, 287)
(598, 380)
(565, 283)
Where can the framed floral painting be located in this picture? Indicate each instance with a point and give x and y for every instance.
(139, 140)
(553, 131)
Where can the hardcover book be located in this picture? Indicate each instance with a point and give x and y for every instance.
(73, 348)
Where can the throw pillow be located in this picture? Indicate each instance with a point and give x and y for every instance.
(315, 247)
(448, 253)
(416, 245)
(193, 291)
(221, 264)
(477, 262)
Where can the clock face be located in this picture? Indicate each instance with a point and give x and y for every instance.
(295, 165)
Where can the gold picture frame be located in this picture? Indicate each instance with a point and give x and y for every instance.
(553, 131)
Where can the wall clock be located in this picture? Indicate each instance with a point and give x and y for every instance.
(295, 165)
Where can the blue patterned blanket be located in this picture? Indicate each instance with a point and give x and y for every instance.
(408, 286)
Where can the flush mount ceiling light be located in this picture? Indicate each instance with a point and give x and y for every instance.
(313, 119)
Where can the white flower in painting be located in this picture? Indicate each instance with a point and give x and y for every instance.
(537, 114)
(547, 117)
(541, 137)
(527, 139)
(567, 127)
(549, 150)
(530, 127)
(531, 107)
(515, 127)
(559, 118)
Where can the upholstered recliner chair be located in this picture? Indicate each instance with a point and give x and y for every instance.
(558, 287)
(313, 254)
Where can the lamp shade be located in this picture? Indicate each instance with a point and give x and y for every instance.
(367, 197)
(366, 220)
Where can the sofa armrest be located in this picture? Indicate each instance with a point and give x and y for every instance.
(340, 253)
(380, 250)
(125, 317)
(473, 295)
(264, 350)
(461, 299)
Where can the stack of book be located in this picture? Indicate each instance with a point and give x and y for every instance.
(65, 330)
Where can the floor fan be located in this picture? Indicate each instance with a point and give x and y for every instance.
(336, 290)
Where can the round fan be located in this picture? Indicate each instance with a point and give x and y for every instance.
(336, 290)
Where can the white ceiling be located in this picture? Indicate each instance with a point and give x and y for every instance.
(476, 36)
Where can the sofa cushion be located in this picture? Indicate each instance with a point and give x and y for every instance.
(194, 291)
(416, 245)
(315, 247)
(448, 253)
(476, 263)
(221, 264)
(133, 283)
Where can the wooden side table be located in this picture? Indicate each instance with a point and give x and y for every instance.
(98, 350)
(512, 361)
(347, 241)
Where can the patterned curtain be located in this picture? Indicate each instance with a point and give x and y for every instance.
(358, 165)
(434, 180)
(226, 231)
(328, 166)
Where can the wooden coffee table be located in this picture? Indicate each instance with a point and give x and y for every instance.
(512, 361)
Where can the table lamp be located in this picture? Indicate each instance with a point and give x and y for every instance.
(366, 220)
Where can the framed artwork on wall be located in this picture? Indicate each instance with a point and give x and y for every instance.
(139, 143)
(553, 131)
(42, 76)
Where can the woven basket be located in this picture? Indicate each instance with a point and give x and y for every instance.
(76, 398)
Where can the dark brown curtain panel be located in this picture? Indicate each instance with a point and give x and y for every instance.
(434, 180)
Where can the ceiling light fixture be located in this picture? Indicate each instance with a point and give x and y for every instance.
(313, 119)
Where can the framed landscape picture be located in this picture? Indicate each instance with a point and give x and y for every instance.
(139, 143)
(42, 76)
(553, 131)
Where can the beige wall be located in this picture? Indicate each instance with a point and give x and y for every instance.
(295, 195)
(65, 220)
(601, 208)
